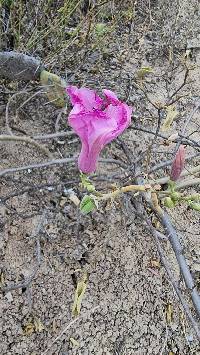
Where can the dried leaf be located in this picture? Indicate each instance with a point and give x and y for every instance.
(169, 313)
(74, 342)
(74, 199)
(2, 280)
(55, 88)
(155, 202)
(63, 201)
(79, 293)
(172, 113)
(155, 263)
(34, 325)
(39, 327)
(29, 329)
(187, 54)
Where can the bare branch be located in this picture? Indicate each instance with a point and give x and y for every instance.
(139, 209)
(176, 246)
(27, 140)
(57, 162)
(38, 166)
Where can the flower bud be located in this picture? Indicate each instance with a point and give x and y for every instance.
(178, 164)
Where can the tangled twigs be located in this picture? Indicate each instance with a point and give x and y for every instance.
(170, 102)
(23, 92)
(184, 140)
(28, 280)
(177, 248)
(166, 265)
(27, 140)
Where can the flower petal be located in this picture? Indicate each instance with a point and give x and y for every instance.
(111, 97)
(96, 127)
(85, 97)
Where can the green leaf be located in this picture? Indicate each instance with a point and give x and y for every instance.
(101, 29)
(168, 202)
(79, 293)
(86, 183)
(88, 204)
(55, 88)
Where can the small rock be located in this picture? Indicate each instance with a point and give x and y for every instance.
(9, 296)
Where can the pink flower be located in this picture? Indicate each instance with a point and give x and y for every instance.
(97, 122)
(178, 164)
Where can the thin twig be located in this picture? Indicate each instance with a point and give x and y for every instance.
(169, 162)
(57, 162)
(184, 140)
(173, 281)
(53, 135)
(27, 140)
(181, 86)
(176, 288)
(165, 180)
(178, 250)
(69, 326)
(38, 165)
(8, 106)
(188, 183)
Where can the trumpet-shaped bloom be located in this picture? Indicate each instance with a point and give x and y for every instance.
(96, 121)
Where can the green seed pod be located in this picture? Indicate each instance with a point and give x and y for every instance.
(195, 206)
(175, 196)
(168, 202)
